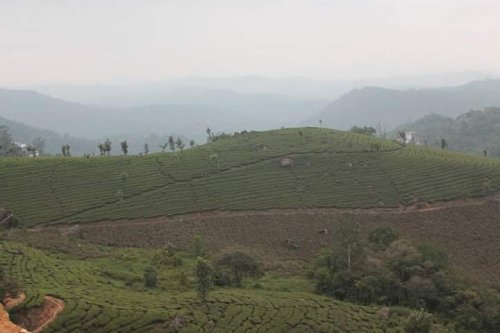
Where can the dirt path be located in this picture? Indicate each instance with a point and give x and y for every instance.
(425, 207)
(39, 317)
(52, 307)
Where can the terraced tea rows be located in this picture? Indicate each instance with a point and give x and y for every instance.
(330, 169)
(96, 303)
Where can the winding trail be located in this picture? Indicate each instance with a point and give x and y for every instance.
(52, 307)
(37, 318)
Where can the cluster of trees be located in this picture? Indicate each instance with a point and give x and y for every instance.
(227, 269)
(9, 148)
(391, 271)
(66, 150)
(474, 131)
(105, 148)
(366, 130)
(174, 144)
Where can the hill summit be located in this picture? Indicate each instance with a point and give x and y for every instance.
(287, 168)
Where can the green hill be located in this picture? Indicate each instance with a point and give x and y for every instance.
(243, 172)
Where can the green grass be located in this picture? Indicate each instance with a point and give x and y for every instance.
(332, 169)
(105, 294)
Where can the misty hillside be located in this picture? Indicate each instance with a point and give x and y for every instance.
(186, 90)
(187, 113)
(473, 131)
(79, 146)
(389, 107)
(53, 141)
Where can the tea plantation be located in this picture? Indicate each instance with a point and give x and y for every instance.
(325, 168)
(106, 294)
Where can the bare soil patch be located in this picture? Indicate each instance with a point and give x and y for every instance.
(6, 326)
(10, 302)
(469, 230)
(35, 319)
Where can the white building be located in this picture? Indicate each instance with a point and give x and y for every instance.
(413, 138)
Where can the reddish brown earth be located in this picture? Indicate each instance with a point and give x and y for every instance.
(469, 230)
(35, 319)
(6, 326)
(9, 302)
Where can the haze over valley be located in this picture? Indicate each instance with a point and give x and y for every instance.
(258, 166)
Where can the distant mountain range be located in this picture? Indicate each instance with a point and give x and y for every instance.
(188, 116)
(302, 88)
(187, 111)
(389, 107)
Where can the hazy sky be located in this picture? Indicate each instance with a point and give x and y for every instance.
(90, 41)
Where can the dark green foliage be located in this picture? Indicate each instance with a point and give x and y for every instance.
(150, 277)
(171, 143)
(66, 150)
(401, 136)
(8, 219)
(474, 131)
(204, 277)
(434, 253)
(444, 144)
(231, 268)
(179, 144)
(209, 134)
(418, 322)
(124, 146)
(364, 130)
(102, 149)
(382, 237)
(405, 275)
(107, 146)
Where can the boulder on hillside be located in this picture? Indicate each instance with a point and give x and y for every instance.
(286, 162)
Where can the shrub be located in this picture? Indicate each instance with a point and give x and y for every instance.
(231, 268)
(434, 253)
(382, 237)
(150, 277)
